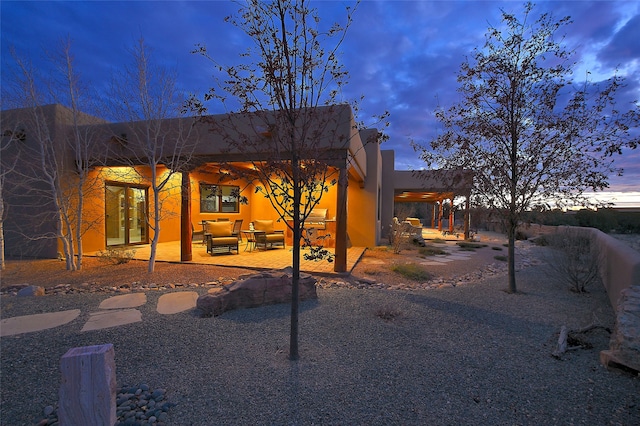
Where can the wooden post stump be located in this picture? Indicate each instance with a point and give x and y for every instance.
(88, 389)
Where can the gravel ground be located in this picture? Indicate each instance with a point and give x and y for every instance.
(469, 354)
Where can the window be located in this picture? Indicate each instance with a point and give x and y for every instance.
(219, 198)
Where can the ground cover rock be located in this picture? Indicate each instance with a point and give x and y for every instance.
(265, 288)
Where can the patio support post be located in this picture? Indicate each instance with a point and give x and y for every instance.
(186, 232)
(433, 216)
(467, 218)
(451, 216)
(440, 214)
(340, 264)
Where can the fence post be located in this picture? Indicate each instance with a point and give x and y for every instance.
(88, 389)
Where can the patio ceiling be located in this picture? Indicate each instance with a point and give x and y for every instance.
(421, 196)
(246, 170)
(430, 186)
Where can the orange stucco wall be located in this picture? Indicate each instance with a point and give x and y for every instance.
(261, 207)
(363, 216)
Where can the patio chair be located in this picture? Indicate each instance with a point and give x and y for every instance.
(219, 238)
(197, 235)
(266, 236)
(237, 227)
(414, 228)
(414, 221)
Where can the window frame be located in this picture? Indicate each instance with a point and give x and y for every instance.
(222, 200)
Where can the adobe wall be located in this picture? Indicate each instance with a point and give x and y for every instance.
(619, 263)
(620, 274)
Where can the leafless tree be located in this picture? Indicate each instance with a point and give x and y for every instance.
(531, 136)
(10, 136)
(54, 156)
(287, 88)
(147, 103)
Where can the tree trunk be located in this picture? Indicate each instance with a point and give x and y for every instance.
(512, 258)
(79, 221)
(156, 228)
(467, 218)
(67, 244)
(295, 279)
(2, 260)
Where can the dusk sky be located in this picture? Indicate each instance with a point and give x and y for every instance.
(403, 56)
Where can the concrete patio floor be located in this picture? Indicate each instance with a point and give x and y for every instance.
(276, 258)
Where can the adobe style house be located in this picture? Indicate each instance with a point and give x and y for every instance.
(197, 156)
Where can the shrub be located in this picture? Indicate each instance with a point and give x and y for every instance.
(496, 248)
(412, 271)
(398, 236)
(542, 240)
(501, 258)
(465, 245)
(575, 259)
(431, 251)
(388, 313)
(116, 255)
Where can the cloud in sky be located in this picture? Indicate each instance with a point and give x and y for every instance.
(403, 56)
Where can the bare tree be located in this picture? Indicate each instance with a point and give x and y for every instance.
(55, 156)
(10, 136)
(146, 101)
(576, 258)
(287, 89)
(530, 135)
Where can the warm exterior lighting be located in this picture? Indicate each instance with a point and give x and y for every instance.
(120, 173)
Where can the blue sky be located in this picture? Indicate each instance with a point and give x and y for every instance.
(403, 56)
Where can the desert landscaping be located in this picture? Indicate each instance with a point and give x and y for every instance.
(376, 347)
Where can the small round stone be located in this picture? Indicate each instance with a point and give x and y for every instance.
(158, 394)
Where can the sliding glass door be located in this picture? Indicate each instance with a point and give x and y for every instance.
(125, 212)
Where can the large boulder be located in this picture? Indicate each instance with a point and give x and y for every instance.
(266, 288)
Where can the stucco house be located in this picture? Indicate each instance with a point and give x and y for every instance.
(359, 207)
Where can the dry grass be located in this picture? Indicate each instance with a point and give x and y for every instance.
(412, 271)
(431, 251)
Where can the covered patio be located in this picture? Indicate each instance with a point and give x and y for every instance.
(435, 187)
(227, 174)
